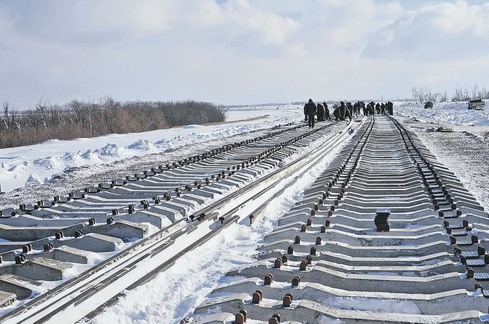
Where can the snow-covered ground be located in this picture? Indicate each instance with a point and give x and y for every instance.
(35, 164)
(464, 150)
(448, 113)
(55, 167)
(174, 294)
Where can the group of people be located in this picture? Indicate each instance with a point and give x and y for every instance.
(344, 111)
(311, 110)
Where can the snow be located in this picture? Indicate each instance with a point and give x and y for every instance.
(43, 162)
(465, 151)
(453, 113)
(173, 295)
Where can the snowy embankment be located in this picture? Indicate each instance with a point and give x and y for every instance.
(41, 163)
(447, 113)
(461, 142)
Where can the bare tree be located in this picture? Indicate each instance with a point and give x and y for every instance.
(419, 94)
(41, 113)
(443, 96)
(5, 117)
(475, 91)
(86, 119)
(414, 92)
(461, 94)
(430, 95)
(485, 93)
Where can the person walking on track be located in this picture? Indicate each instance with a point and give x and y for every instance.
(310, 108)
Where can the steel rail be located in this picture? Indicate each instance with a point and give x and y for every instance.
(81, 295)
(173, 228)
(351, 280)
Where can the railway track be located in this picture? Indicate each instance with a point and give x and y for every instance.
(385, 234)
(140, 225)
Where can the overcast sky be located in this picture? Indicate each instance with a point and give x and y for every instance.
(238, 51)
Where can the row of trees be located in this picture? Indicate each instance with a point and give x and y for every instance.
(88, 119)
(423, 94)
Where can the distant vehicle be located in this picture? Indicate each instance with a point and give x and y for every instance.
(428, 104)
(477, 104)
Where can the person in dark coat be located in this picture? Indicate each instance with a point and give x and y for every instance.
(348, 113)
(342, 110)
(320, 111)
(390, 108)
(371, 108)
(326, 111)
(305, 112)
(310, 108)
(349, 110)
(336, 113)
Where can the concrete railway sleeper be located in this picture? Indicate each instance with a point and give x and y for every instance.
(385, 234)
(186, 203)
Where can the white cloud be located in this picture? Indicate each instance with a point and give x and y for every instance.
(233, 51)
(444, 32)
(242, 26)
(458, 18)
(146, 17)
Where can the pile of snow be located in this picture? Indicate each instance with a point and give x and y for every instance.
(110, 151)
(448, 113)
